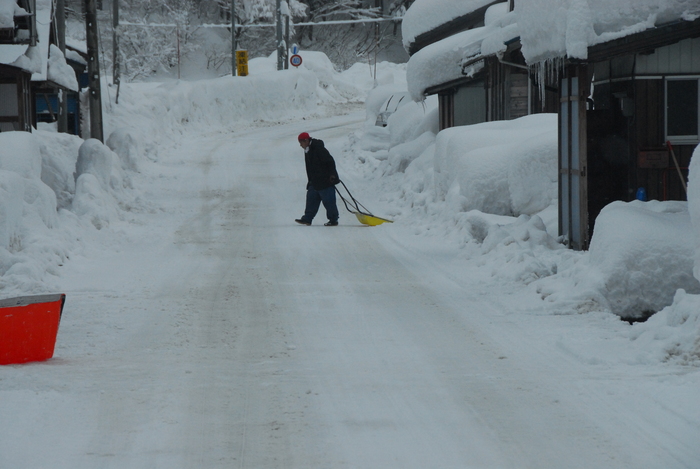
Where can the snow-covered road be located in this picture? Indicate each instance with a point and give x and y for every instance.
(214, 332)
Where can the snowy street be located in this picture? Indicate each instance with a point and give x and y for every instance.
(213, 332)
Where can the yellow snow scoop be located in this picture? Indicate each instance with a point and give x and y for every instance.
(371, 220)
(366, 217)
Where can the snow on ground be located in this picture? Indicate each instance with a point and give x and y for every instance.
(203, 329)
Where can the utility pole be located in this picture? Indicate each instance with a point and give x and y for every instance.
(280, 40)
(234, 61)
(61, 32)
(94, 89)
(286, 40)
(115, 44)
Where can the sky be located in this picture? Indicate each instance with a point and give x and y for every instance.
(204, 328)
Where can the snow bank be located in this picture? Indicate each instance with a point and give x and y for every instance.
(694, 206)
(413, 120)
(639, 256)
(504, 168)
(555, 28)
(48, 198)
(27, 214)
(214, 104)
(149, 111)
(644, 263)
(673, 334)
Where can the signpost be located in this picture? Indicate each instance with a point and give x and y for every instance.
(242, 63)
(295, 60)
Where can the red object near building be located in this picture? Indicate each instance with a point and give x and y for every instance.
(28, 327)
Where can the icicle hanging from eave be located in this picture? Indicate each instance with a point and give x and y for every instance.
(548, 71)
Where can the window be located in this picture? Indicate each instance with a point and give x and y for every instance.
(682, 110)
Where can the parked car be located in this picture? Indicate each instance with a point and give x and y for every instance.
(390, 106)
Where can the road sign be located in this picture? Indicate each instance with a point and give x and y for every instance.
(242, 63)
(295, 60)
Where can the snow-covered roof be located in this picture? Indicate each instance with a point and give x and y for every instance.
(10, 52)
(45, 61)
(59, 71)
(426, 15)
(443, 61)
(8, 10)
(552, 28)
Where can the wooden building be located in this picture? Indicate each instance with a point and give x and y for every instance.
(490, 86)
(617, 111)
(29, 88)
(16, 108)
(15, 99)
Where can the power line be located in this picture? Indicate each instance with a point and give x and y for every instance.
(260, 25)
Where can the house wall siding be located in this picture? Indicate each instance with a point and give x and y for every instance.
(682, 57)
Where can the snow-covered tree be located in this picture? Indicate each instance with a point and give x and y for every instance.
(152, 47)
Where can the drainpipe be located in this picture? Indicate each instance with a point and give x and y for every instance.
(529, 83)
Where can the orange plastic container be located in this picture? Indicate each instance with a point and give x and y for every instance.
(28, 327)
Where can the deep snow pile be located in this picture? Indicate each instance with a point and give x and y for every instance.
(64, 189)
(503, 167)
(674, 332)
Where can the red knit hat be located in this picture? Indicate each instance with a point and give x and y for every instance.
(304, 136)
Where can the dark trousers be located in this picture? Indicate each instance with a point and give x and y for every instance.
(313, 202)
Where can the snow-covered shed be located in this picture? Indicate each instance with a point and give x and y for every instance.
(33, 71)
(628, 79)
(17, 35)
(473, 63)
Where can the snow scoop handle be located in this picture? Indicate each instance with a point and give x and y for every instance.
(354, 202)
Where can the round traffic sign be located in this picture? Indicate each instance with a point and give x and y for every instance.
(295, 60)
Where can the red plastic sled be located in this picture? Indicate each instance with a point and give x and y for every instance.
(28, 327)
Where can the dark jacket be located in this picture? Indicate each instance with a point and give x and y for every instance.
(320, 166)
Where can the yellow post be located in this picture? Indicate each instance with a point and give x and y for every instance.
(242, 63)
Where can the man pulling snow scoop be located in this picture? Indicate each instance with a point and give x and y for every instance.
(322, 178)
